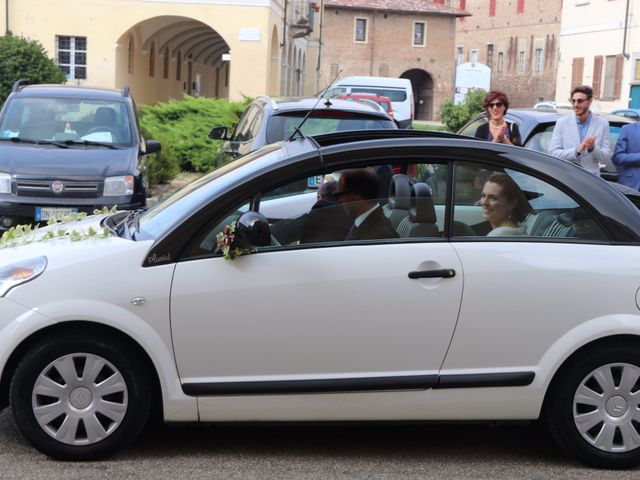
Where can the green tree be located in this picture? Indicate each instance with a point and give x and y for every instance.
(455, 116)
(22, 58)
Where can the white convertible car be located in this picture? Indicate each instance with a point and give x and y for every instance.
(284, 319)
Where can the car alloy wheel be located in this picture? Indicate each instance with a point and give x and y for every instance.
(79, 399)
(606, 407)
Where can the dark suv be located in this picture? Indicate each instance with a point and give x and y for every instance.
(69, 149)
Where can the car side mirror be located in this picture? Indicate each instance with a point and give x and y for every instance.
(218, 133)
(153, 146)
(252, 230)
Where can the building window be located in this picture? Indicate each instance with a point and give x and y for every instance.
(521, 62)
(459, 56)
(500, 62)
(636, 74)
(419, 34)
(492, 8)
(165, 63)
(612, 77)
(361, 30)
(152, 60)
(474, 55)
(490, 55)
(179, 66)
(72, 56)
(463, 5)
(520, 6)
(538, 61)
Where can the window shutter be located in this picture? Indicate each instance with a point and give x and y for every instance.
(617, 82)
(597, 75)
(576, 72)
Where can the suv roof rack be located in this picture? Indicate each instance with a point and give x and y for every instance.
(125, 90)
(20, 83)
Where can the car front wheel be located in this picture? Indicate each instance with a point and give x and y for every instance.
(79, 397)
(594, 408)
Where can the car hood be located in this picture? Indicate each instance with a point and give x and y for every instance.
(75, 161)
(77, 242)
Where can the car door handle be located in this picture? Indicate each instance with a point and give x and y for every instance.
(441, 273)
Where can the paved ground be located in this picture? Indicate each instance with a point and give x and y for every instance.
(384, 452)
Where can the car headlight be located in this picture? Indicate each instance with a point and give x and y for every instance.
(118, 186)
(5, 183)
(20, 272)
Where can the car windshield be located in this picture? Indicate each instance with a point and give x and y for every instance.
(175, 208)
(392, 94)
(67, 120)
(281, 127)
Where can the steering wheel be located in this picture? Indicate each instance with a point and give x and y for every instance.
(112, 131)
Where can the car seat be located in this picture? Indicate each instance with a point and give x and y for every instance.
(400, 192)
(421, 221)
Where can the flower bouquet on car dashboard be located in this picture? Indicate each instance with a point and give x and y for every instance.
(227, 241)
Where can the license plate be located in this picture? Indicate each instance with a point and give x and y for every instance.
(45, 213)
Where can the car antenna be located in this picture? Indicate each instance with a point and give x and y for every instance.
(320, 97)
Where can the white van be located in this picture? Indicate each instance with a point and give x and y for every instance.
(398, 90)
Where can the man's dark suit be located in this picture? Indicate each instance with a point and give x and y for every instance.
(375, 226)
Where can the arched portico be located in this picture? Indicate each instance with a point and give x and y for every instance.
(422, 84)
(168, 56)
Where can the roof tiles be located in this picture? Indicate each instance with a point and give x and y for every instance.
(397, 6)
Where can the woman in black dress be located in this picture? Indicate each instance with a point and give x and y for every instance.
(497, 129)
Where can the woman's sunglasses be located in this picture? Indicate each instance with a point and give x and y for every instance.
(496, 105)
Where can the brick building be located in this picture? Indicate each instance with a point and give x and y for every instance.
(518, 40)
(412, 39)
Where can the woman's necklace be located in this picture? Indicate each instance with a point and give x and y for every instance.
(496, 127)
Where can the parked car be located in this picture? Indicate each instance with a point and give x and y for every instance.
(69, 149)
(267, 120)
(551, 105)
(398, 90)
(632, 113)
(172, 323)
(536, 127)
(384, 102)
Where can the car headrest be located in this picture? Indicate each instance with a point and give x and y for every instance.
(422, 210)
(104, 116)
(400, 192)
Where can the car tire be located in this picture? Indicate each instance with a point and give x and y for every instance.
(593, 407)
(80, 396)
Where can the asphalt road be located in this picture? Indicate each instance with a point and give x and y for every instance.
(387, 452)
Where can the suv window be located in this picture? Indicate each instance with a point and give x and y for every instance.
(282, 126)
(60, 119)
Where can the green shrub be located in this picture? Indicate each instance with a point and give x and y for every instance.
(182, 126)
(22, 58)
(455, 116)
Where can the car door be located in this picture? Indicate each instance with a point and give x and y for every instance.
(527, 286)
(325, 317)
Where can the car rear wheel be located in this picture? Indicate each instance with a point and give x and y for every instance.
(594, 408)
(80, 397)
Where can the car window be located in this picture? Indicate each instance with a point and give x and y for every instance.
(280, 127)
(541, 140)
(242, 132)
(61, 119)
(408, 206)
(504, 203)
(470, 129)
(392, 94)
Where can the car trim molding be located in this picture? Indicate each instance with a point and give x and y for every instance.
(363, 384)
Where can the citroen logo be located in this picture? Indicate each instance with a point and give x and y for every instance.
(57, 186)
